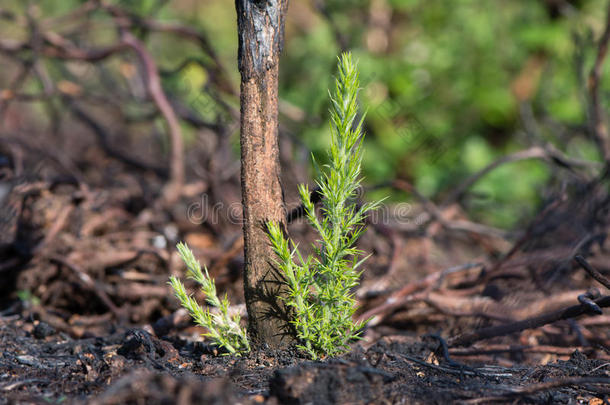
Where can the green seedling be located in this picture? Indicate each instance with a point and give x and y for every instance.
(222, 328)
(320, 286)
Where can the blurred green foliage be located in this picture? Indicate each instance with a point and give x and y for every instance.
(443, 87)
(443, 92)
(445, 83)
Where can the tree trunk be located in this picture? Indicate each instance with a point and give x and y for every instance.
(261, 25)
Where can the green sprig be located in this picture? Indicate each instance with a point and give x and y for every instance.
(222, 328)
(319, 287)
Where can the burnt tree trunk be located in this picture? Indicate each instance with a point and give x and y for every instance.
(261, 25)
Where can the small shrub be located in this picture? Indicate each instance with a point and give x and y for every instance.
(223, 329)
(320, 286)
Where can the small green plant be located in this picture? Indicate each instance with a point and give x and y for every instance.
(223, 329)
(320, 287)
(27, 298)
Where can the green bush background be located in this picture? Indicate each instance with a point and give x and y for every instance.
(438, 82)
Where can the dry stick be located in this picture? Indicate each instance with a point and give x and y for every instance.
(458, 370)
(60, 220)
(592, 272)
(601, 320)
(530, 323)
(547, 153)
(428, 205)
(503, 348)
(597, 119)
(58, 49)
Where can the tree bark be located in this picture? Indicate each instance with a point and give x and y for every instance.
(261, 25)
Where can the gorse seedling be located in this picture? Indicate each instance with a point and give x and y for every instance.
(223, 329)
(319, 287)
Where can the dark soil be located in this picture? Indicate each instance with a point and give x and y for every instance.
(40, 365)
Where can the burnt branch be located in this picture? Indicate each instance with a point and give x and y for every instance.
(530, 323)
(592, 272)
(153, 84)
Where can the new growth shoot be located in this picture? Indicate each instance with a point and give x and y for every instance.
(320, 286)
(222, 328)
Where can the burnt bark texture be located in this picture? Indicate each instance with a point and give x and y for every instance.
(260, 27)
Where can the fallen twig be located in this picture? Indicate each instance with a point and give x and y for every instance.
(459, 370)
(530, 323)
(592, 272)
(503, 348)
(153, 84)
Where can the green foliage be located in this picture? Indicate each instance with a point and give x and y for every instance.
(445, 79)
(320, 286)
(27, 298)
(223, 329)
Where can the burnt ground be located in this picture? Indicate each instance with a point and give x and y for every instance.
(41, 365)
